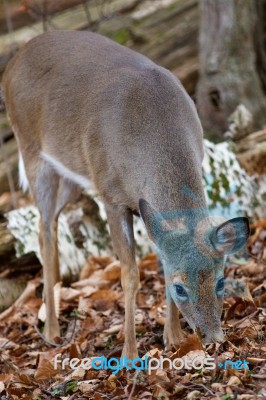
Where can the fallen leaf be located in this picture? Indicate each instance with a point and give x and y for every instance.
(113, 271)
(189, 343)
(45, 371)
(88, 386)
(160, 393)
(255, 360)
(69, 294)
(234, 381)
(2, 386)
(195, 394)
(113, 329)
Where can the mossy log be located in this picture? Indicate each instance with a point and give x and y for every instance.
(9, 263)
(8, 164)
(164, 31)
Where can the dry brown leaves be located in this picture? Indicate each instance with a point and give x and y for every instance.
(91, 317)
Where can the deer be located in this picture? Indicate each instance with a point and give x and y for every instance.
(89, 112)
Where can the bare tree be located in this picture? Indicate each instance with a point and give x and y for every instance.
(232, 62)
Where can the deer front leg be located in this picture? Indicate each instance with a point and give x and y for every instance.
(172, 334)
(120, 220)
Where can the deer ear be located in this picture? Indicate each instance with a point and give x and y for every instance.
(230, 236)
(148, 215)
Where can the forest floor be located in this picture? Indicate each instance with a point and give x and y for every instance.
(91, 318)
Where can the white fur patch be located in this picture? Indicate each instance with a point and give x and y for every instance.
(23, 180)
(65, 172)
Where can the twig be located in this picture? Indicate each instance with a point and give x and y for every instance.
(47, 392)
(259, 260)
(233, 346)
(46, 340)
(9, 340)
(134, 385)
(72, 396)
(66, 341)
(87, 11)
(259, 376)
(199, 385)
(246, 317)
(12, 366)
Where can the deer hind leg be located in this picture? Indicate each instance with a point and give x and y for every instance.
(51, 193)
(68, 192)
(120, 221)
(44, 186)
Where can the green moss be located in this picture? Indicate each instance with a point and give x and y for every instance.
(4, 125)
(225, 182)
(121, 36)
(263, 196)
(110, 342)
(212, 137)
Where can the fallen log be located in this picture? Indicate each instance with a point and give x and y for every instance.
(14, 272)
(251, 152)
(167, 33)
(9, 263)
(7, 242)
(164, 31)
(8, 164)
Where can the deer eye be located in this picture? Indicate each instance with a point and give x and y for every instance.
(220, 287)
(181, 293)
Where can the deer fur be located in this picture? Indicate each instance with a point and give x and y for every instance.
(88, 111)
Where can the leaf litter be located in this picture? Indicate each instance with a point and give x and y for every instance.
(91, 314)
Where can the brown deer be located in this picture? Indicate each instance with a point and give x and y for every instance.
(88, 111)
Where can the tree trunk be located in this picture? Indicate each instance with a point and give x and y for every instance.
(229, 76)
(260, 43)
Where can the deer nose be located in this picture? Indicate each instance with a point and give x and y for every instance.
(216, 337)
(208, 337)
